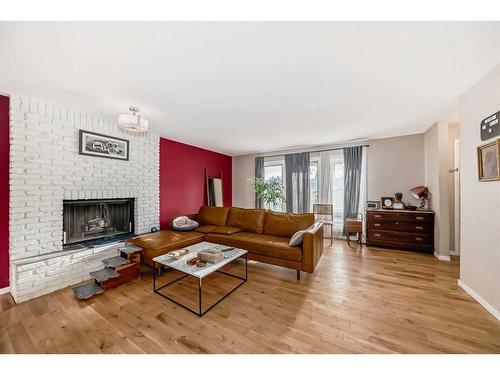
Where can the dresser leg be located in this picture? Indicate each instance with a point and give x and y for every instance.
(298, 275)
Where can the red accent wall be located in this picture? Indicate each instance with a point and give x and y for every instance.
(182, 178)
(4, 191)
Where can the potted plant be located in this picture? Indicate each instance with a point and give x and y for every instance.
(271, 191)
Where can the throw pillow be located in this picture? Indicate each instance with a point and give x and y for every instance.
(184, 224)
(297, 238)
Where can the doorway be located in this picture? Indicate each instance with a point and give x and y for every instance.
(456, 196)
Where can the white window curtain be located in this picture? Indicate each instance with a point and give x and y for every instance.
(331, 188)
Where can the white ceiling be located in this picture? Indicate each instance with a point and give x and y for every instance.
(246, 87)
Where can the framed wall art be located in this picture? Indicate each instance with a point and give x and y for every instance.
(387, 202)
(488, 157)
(103, 146)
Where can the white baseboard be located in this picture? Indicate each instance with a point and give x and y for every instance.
(4, 290)
(454, 253)
(445, 258)
(479, 299)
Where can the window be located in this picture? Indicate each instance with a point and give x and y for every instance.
(313, 182)
(275, 169)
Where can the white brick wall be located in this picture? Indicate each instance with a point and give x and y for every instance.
(45, 168)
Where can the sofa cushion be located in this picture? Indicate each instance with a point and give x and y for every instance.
(262, 244)
(208, 215)
(285, 224)
(159, 243)
(217, 229)
(250, 220)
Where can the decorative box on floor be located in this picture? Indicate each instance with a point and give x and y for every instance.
(117, 270)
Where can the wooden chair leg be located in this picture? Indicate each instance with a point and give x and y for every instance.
(348, 238)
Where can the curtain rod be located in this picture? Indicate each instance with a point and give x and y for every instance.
(313, 151)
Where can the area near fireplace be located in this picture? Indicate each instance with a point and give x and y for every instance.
(46, 172)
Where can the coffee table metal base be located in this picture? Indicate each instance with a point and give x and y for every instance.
(200, 312)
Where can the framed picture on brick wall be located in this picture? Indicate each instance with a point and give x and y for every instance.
(103, 146)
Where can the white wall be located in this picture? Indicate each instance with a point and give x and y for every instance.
(45, 169)
(453, 134)
(437, 181)
(480, 209)
(243, 172)
(393, 165)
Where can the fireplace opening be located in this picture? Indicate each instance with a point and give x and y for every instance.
(89, 220)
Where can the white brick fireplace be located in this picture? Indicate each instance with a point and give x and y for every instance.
(45, 169)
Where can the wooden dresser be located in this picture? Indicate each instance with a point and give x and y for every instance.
(401, 229)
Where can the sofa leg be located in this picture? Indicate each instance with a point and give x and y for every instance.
(298, 275)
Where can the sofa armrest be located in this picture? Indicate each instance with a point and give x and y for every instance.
(312, 247)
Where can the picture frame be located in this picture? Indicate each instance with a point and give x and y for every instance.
(103, 146)
(373, 205)
(386, 202)
(488, 161)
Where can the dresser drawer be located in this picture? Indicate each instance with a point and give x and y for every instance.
(402, 237)
(403, 226)
(401, 216)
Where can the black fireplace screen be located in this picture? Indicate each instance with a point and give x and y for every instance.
(85, 220)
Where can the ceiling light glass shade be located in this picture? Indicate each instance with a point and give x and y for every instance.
(133, 122)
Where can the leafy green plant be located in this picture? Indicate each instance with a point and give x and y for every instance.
(271, 191)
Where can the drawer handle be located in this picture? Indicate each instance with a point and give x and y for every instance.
(419, 218)
(419, 227)
(397, 222)
(419, 238)
(376, 234)
(376, 225)
(377, 215)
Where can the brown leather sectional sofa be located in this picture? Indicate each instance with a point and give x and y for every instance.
(264, 234)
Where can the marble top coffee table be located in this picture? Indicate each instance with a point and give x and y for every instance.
(200, 273)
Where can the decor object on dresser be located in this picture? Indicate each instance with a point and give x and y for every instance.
(411, 230)
(320, 210)
(398, 203)
(103, 146)
(422, 193)
(387, 202)
(354, 224)
(372, 204)
(133, 121)
(488, 161)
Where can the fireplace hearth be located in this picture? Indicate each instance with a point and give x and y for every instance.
(89, 220)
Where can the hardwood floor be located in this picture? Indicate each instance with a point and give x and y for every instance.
(358, 301)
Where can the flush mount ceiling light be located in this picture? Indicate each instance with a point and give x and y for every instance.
(133, 121)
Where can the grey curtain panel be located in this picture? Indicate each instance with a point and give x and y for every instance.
(353, 157)
(297, 182)
(259, 173)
